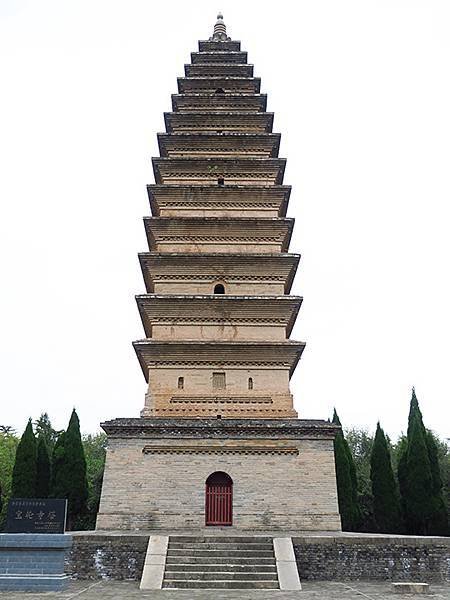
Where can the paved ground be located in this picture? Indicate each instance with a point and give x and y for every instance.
(84, 590)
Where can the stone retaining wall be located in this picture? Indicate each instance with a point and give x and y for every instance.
(107, 556)
(326, 558)
(383, 558)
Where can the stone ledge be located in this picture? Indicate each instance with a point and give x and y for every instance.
(213, 427)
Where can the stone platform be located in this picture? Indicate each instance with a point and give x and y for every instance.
(312, 590)
(320, 556)
(33, 561)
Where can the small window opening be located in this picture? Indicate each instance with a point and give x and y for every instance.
(220, 181)
(181, 383)
(220, 91)
(250, 383)
(218, 381)
(219, 288)
(219, 416)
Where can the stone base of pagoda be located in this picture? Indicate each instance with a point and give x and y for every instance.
(281, 471)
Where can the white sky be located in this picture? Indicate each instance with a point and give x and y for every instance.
(361, 95)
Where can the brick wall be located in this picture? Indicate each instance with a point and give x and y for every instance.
(271, 490)
(381, 558)
(106, 556)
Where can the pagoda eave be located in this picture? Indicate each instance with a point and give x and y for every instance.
(204, 171)
(223, 266)
(217, 309)
(219, 56)
(243, 85)
(212, 121)
(198, 230)
(206, 144)
(217, 69)
(223, 194)
(214, 354)
(220, 428)
(236, 102)
(219, 46)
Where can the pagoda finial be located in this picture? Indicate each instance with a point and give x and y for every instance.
(220, 30)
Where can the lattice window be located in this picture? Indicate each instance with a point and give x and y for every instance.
(218, 381)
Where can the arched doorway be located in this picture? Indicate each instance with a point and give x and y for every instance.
(219, 499)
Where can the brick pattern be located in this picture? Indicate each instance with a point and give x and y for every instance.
(392, 558)
(107, 557)
(370, 558)
(283, 490)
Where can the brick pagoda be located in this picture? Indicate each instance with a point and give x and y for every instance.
(218, 441)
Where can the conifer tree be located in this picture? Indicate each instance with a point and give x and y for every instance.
(44, 429)
(23, 483)
(439, 519)
(346, 481)
(43, 470)
(421, 484)
(419, 501)
(69, 470)
(59, 476)
(401, 470)
(386, 502)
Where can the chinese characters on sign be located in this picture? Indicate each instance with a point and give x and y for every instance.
(34, 515)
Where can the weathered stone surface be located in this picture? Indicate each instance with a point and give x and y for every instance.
(287, 570)
(321, 558)
(401, 558)
(107, 556)
(410, 588)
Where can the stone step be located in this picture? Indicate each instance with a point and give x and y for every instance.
(220, 584)
(222, 539)
(222, 567)
(207, 560)
(217, 546)
(224, 553)
(220, 576)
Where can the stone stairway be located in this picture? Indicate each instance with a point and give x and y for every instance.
(220, 562)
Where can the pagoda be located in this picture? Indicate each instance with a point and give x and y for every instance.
(218, 442)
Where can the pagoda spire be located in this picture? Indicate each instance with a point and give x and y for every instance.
(220, 30)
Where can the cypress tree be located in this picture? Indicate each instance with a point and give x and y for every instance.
(344, 484)
(439, 518)
(386, 502)
(401, 471)
(346, 480)
(421, 484)
(419, 499)
(59, 475)
(69, 467)
(43, 470)
(23, 483)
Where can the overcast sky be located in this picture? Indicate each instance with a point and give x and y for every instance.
(361, 95)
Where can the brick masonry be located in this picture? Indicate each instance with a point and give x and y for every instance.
(107, 556)
(321, 558)
(391, 558)
(283, 474)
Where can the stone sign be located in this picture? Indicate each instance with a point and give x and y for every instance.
(36, 515)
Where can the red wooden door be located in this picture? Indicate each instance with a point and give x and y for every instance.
(219, 499)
